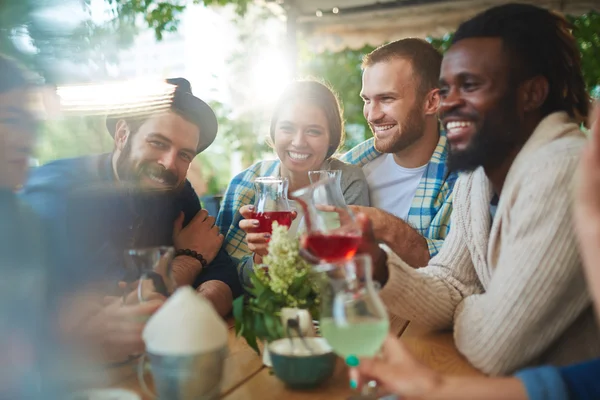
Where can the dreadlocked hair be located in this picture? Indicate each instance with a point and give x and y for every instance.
(539, 43)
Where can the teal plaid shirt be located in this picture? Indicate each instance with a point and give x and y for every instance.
(431, 207)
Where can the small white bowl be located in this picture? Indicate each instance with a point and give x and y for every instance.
(296, 347)
(299, 367)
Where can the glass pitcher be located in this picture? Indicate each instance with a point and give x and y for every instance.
(271, 203)
(316, 176)
(331, 231)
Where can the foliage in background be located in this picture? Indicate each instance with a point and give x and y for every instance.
(237, 138)
(160, 16)
(443, 43)
(587, 32)
(47, 46)
(284, 279)
(72, 137)
(341, 70)
(246, 121)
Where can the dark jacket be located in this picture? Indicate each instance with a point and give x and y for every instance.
(93, 220)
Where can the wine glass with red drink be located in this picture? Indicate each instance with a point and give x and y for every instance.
(271, 204)
(332, 233)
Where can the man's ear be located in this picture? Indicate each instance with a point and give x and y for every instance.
(432, 102)
(533, 93)
(121, 134)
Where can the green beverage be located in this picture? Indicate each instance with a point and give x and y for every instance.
(363, 337)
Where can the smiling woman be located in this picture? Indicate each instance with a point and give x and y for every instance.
(306, 130)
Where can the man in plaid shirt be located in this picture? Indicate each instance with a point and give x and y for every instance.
(405, 163)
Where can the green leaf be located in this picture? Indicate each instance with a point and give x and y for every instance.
(238, 307)
(250, 337)
(303, 292)
(260, 329)
(257, 284)
(238, 313)
(249, 332)
(272, 322)
(298, 283)
(264, 299)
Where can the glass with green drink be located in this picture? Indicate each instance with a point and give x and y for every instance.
(353, 318)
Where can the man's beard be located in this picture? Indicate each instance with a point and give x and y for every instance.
(133, 173)
(491, 145)
(408, 133)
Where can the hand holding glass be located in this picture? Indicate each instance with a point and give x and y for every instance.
(354, 320)
(271, 203)
(332, 232)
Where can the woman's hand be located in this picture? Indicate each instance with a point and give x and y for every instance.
(398, 372)
(257, 242)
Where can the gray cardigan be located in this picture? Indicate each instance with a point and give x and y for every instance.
(354, 183)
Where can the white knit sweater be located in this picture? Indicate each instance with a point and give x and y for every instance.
(513, 290)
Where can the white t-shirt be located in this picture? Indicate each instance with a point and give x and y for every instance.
(392, 187)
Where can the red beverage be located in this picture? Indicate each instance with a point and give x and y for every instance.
(332, 247)
(266, 219)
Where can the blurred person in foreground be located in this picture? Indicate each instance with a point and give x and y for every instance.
(410, 185)
(23, 304)
(135, 197)
(399, 372)
(306, 131)
(508, 278)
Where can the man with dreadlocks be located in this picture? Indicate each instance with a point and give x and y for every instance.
(508, 278)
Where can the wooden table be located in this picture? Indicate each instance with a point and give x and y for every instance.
(246, 377)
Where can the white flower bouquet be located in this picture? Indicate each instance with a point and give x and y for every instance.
(285, 279)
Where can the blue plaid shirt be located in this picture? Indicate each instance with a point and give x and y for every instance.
(431, 207)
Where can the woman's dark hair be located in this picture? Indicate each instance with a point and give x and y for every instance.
(318, 95)
(539, 43)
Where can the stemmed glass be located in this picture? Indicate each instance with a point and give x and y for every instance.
(316, 176)
(354, 320)
(149, 270)
(332, 232)
(271, 204)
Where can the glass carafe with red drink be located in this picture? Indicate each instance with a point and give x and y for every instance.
(271, 203)
(332, 233)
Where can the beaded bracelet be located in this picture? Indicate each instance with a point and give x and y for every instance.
(192, 253)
